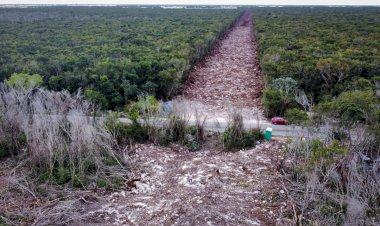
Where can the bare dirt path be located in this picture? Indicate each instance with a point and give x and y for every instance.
(230, 76)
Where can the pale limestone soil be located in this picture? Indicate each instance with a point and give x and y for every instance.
(176, 187)
(230, 77)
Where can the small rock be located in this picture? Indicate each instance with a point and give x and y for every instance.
(142, 187)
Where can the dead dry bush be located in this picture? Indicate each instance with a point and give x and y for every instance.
(336, 187)
(12, 119)
(236, 136)
(233, 135)
(60, 138)
(165, 127)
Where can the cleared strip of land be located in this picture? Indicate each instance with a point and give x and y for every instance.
(230, 77)
(174, 186)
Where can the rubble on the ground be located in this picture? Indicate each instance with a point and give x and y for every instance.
(230, 77)
(209, 187)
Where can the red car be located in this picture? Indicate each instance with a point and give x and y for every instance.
(279, 120)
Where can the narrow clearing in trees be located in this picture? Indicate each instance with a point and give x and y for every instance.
(229, 77)
(172, 185)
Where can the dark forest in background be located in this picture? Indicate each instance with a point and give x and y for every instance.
(112, 53)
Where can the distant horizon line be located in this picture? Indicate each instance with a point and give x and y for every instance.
(83, 4)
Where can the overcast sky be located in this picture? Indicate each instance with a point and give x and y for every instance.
(200, 2)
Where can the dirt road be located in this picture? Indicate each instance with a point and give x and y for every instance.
(230, 77)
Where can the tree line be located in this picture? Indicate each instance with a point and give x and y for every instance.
(113, 53)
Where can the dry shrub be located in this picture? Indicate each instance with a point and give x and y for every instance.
(12, 118)
(198, 131)
(176, 129)
(58, 132)
(165, 127)
(340, 188)
(235, 136)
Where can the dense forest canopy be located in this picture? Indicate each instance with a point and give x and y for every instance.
(113, 53)
(326, 50)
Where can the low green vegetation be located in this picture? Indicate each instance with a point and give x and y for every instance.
(4, 152)
(326, 154)
(352, 107)
(26, 81)
(296, 116)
